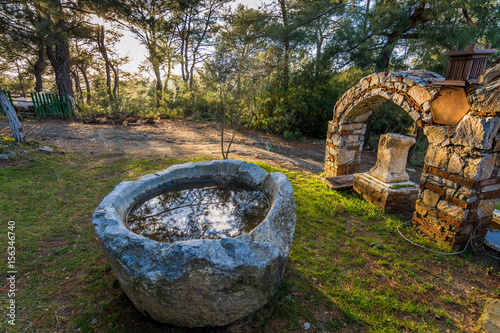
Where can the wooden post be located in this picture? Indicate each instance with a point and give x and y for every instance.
(14, 123)
(465, 67)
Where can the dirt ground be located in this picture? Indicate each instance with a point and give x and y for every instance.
(172, 139)
(183, 140)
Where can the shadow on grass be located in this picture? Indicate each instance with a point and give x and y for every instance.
(296, 303)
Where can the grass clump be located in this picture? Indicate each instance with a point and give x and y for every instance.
(349, 271)
(396, 186)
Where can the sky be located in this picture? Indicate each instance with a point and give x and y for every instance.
(129, 46)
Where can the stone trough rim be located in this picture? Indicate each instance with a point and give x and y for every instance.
(112, 209)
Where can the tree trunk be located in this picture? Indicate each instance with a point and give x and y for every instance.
(60, 63)
(223, 123)
(38, 69)
(186, 48)
(169, 70)
(25, 93)
(59, 59)
(417, 17)
(87, 82)
(78, 88)
(101, 39)
(286, 45)
(116, 87)
(159, 85)
(20, 77)
(382, 61)
(368, 130)
(319, 47)
(14, 123)
(418, 135)
(182, 34)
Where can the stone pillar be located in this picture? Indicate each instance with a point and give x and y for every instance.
(344, 144)
(387, 185)
(391, 158)
(460, 184)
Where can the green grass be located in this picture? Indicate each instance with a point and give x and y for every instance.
(349, 270)
(395, 187)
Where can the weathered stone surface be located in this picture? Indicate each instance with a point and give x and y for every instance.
(391, 158)
(466, 230)
(384, 195)
(491, 188)
(345, 156)
(199, 282)
(421, 210)
(374, 79)
(436, 135)
(480, 168)
(477, 132)
(460, 157)
(497, 146)
(351, 139)
(361, 117)
(397, 99)
(419, 95)
(486, 208)
(392, 77)
(409, 82)
(351, 126)
(364, 84)
(46, 149)
(337, 140)
(489, 75)
(333, 126)
(488, 165)
(456, 164)
(430, 198)
(451, 184)
(437, 156)
(489, 322)
(452, 210)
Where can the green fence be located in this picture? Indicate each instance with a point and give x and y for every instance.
(7, 93)
(51, 105)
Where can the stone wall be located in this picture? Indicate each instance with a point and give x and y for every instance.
(460, 184)
(344, 144)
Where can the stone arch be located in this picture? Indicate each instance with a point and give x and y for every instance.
(411, 90)
(460, 182)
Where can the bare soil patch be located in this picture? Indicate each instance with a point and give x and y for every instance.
(174, 138)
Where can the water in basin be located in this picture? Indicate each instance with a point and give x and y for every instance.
(493, 235)
(198, 210)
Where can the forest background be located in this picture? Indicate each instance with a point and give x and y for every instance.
(278, 68)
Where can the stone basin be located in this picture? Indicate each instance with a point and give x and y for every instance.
(199, 282)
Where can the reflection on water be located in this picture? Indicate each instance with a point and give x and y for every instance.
(493, 235)
(201, 210)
